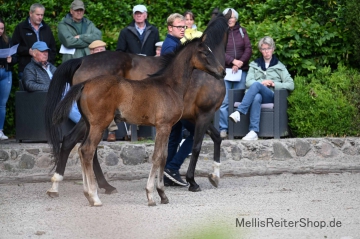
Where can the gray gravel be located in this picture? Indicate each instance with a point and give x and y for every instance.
(27, 212)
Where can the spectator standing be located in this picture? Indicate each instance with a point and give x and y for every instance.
(176, 30)
(76, 32)
(265, 75)
(191, 29)
(5, 76)
(139, 37)
(39, 72)
(237, 56)
(28, 32)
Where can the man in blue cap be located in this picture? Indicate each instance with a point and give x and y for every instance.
(38, 73)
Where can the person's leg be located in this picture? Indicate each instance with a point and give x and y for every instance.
(255, 88)
(174, 141)
(224, 108)
(5, 88)
(242, 83)
(185, 148)
(264, 96)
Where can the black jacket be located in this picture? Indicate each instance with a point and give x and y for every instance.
(25, 36)
(3, 61)
(129, 40)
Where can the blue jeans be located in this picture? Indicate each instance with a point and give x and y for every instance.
(176, 159)
(74, 114)
(256, 95)
(5, 88)
(224, 108)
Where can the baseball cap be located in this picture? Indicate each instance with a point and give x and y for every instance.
(139, 8)
(40, 45)
(97, 43)
(77, 4)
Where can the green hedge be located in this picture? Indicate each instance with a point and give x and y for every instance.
(326, 103)
(309, 34)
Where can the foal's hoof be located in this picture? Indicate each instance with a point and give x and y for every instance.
(165, 201)
(195, 188)
(52, 194)
(214, 180)
(152, 204)
(111, 191)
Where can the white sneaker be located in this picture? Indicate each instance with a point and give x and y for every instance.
(223, 134)
(235, 116)
(251, 136)
(2, 136)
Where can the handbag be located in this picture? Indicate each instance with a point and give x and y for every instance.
(230, 76)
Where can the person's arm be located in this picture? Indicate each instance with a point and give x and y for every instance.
(52, 46)
(121, 43)
(248, 49)
(286, 81)
(67, 37)
(92, 34)
(22, 49)
(30, 81)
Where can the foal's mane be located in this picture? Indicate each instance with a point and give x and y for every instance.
(215, 30)
(213, 35)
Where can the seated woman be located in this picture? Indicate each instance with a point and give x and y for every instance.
(265, 74)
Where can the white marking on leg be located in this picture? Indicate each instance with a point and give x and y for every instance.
(216, 167)
(55, 183)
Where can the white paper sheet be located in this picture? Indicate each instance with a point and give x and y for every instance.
(8, 51)
(64, 50)
(230, 76)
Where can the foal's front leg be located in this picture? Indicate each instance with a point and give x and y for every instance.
(158, 163)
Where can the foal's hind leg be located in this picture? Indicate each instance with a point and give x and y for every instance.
(86, 152)
(100, 178)
(214, 177)
(69, 141)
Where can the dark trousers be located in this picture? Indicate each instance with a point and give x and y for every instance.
(176, 159)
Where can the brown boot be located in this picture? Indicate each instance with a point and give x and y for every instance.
(111, 137)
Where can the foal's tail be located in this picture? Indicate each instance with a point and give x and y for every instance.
(63, 108)
(63, 75)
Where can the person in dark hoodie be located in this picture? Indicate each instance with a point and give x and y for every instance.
(28, 32)
(76, 32)
(237, 56)
(139, 37)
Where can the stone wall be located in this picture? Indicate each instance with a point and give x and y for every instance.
(31, 162)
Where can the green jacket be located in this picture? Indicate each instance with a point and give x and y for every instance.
(67, 31)
(277, 73)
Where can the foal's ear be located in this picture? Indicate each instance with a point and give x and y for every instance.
(228, 14)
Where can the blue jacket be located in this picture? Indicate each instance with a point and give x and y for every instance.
(170, 44)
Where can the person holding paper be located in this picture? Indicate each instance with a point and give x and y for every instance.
(237, 56)
(28, 32)
(6, 64)
(76, 32)
(266, 73)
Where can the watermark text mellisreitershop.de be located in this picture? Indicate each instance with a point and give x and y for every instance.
(271, 222)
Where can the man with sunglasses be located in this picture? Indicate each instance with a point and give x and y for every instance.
(76, 32)
(176, 30)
